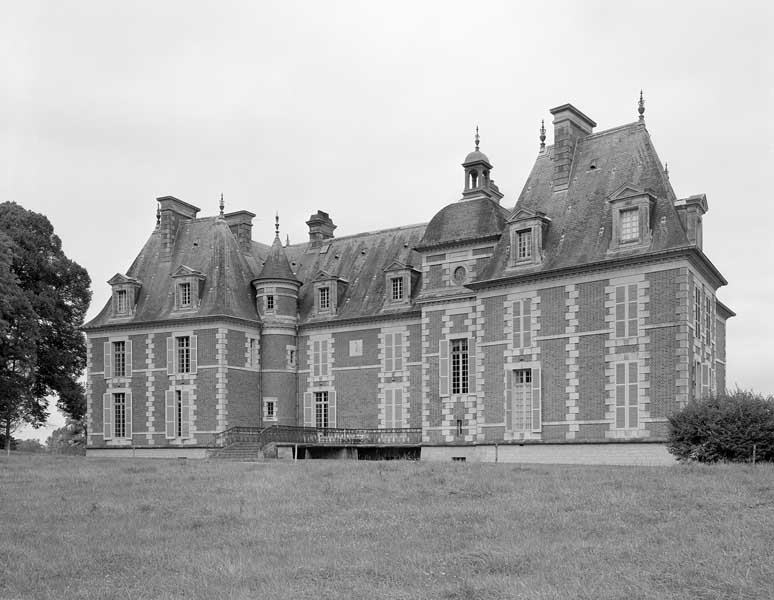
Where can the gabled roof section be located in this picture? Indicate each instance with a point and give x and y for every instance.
(607, 164)
(276, 265)
(205, 245)
(359, 260)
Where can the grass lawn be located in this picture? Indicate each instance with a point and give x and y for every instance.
(105, 528)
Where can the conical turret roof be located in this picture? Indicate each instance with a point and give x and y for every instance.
(276, 265)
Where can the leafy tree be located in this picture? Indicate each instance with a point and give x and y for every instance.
(44, 297)
(30, 446)
(70, 439)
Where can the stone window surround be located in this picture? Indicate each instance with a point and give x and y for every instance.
(642, 202)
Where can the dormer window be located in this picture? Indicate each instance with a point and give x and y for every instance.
(187, 287)
(324, 298)
(527, 229)
(631, 210)
(630, 225)
(397, 289)
(184, 291)
(125, 292)
(523, 244)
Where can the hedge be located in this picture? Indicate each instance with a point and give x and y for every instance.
(726, 427)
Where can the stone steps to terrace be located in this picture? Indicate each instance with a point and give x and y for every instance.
(239, 452)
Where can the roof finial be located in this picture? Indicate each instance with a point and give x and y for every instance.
(276, 225)
(478, 138)
(287, 240)
(542, 134)
(158, 215)
(221, 204)
(666, 169)
(641, 107)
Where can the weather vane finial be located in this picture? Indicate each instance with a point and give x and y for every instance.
(542, 134)
(276, 224)
(222, 206)
(641, 107)
(478, 138)
(158, 214)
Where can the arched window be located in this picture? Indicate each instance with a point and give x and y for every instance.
(473, 179)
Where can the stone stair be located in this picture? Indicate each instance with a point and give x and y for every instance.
(239, 452)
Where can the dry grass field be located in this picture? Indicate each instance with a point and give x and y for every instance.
(99, 528)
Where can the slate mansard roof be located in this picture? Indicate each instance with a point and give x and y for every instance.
(578, 235)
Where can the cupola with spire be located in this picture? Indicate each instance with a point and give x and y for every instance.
(478, 180)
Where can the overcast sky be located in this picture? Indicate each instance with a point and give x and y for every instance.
(366, 109)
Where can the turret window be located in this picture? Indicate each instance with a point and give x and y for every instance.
(269, 302)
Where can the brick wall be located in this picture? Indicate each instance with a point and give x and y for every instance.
(235, 348)
(356, 398)
(243, 398)
(553, 355)
(591, 376)
(664, 286)
(205, 340)
(370, 339)
(591, 300)
(138, 352)
(552, 307)
(494, 384)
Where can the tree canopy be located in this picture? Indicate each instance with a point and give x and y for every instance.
(44, 297)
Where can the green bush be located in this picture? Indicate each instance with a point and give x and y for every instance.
(725, 427)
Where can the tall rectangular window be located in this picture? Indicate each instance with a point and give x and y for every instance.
(626, 395)
(697, 311)
(393, 351)
(270, 409)
(178, 413)
(397, 288)
(321, 409)
(626, 311)
(270, 302)
(119, 415)
(522, 326)
(524, 244)
(522, 400)
(119, 359)
(707, 318)
(320, 367)
(184, 290)
(630, 225)
(121, 301)
(393, 408)
(459, 366)
(324, 298)
(183, 354)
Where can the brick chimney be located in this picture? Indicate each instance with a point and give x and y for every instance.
(570, 125)
(320, 228)
(690, 210)
(241, 225)
(172, 212)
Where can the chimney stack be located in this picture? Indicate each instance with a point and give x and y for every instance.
(570, 125)
(241, 225)
(172, 212)
(320, 228)
(690, 210)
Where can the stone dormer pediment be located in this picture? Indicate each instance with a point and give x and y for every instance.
(627, 191)
(525, 214)
(398, 266)
(185, 271)
(119, 279)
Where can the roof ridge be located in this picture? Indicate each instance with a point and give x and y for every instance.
(354, 235)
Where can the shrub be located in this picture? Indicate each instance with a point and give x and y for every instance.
(724, 427)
